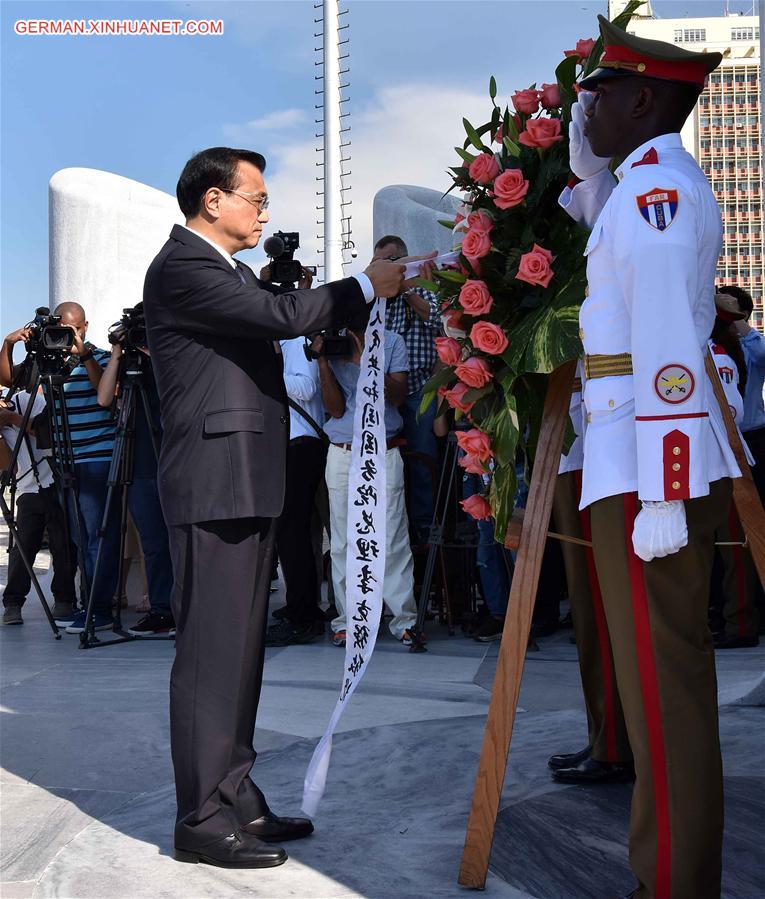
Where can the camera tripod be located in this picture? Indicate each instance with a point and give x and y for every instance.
(51, 379)
(132, 390)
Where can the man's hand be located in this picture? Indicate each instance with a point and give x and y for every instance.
(660, 529)
(426, 269)
(582, 161)
(9, 418)
(386, 277)
(317, 345)
(16, 336)
(306, 278)
(78, 346)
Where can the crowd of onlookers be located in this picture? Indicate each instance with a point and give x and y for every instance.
(322, 390)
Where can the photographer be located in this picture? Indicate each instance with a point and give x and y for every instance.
(415, 315)
(37, 508)
(143, 496)
(339, 378)
(91, 433)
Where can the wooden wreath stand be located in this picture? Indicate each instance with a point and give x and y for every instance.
(529, 537)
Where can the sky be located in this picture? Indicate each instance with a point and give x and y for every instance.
(140, 106)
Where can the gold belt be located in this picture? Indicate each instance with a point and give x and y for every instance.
(608, 366)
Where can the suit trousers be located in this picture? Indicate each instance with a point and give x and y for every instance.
(606, 729)
(220, 602)
(35, 512)
(306, 458)
(665, 672)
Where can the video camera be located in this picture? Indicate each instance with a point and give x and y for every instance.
(48, 347)
(130, 330)
(281, 249)
(335, 346)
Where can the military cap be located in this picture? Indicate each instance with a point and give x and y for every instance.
(626, 54)
(727, 308)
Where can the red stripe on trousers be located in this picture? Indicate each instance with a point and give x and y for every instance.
(738, 570)
(649, 687)
(609, 688)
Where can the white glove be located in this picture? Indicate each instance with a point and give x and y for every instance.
(660, 529)
(583, 162)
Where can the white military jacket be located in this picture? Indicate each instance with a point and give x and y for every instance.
(573, 460)
(651, 262)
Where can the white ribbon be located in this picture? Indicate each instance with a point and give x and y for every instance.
(365, 561)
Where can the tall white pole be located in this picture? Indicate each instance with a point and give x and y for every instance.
(333, 197)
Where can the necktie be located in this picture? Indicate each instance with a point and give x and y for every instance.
(240, 272)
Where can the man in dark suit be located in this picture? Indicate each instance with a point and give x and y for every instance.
(212, 328)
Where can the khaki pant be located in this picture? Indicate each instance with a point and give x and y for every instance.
(605, 719)
(665, 671)
(398, 587)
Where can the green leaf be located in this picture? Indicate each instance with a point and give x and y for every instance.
(473, 136)
(441, 378)
(492, 87)
(454, 277)
(467, 157)
(477, 393)
(504, 487)
(512, 147)
(447, 223)
(427, 285)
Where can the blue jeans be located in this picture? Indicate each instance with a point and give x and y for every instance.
(92, 489)
(492, 559)
(143, 500)
(420, 439)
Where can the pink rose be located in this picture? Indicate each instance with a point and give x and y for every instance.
(535, 267)
(475, 298)
(541, 133)
(484, 168)
(449, 351)
(489, 338)
(480, 221)
(499, 134)
(477, 507)
(510, 189)
(550, 96)
(474, 372)
(526, 101)
(456, 397)
(459, 217)
(472, 465)
(476, 244)
(475, 443)
(583, 48)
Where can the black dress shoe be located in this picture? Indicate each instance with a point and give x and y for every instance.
(733, 641)
(237, 850)
(569, 760)
(591, 771)
(272, 829)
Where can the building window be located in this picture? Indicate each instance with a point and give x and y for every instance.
(742, 34)
(678, 35)
(692, 35)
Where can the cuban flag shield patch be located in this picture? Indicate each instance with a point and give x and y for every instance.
(658, 207)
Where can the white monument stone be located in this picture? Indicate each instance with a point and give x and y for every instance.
(104, 230)
(413, 213)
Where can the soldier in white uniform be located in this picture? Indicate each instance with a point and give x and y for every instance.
(657, 464)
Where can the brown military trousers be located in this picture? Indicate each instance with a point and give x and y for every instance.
(605, 720)
(740, 580)
(665, 673)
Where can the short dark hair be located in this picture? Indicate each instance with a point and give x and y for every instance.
(216, 167)
(745, 301)
(395, 240)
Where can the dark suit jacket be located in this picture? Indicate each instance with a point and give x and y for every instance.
(224, 405)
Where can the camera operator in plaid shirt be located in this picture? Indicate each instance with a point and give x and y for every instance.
(414, 314)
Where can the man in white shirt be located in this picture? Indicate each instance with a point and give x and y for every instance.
(37, 508)
(306, 458)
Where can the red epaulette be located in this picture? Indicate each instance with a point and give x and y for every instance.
(719, 350)
(650, 157)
